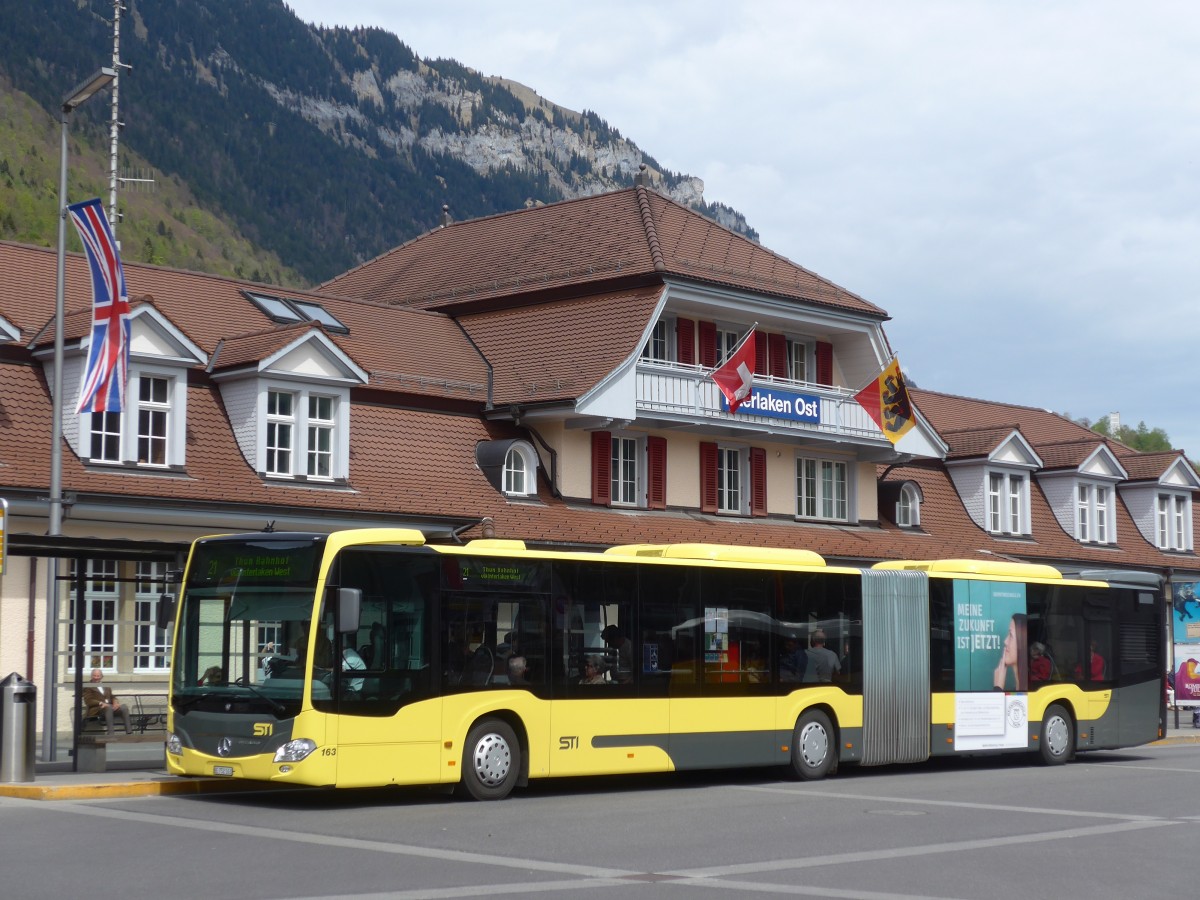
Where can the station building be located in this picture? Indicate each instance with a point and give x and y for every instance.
(541, 375)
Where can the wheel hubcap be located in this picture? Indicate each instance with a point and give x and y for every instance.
(1057, 735)
(492, 759)
(814, 745)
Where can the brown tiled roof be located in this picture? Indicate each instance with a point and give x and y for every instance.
(949, 413)
(1068, 454)
(969, 443)
(1149, 466)
(577, 341)
(411, 351)
(633, 233)
(250, 348)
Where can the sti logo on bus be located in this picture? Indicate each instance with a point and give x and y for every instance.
(263, 729)
(571, 742)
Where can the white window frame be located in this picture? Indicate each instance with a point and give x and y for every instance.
(151, 646)
(799, 359)
(101, 630)
(908, 507)
(157, 412)
(105, 427)
(1173, 514)
(727, 339)
(1093, 513)
(520, 471)
(320, 430)
(305, 430)
(820, 495)
(279, 435)
(733, 480)
(125, 427)
(627, 470)
(658, 347)
(1007, 502)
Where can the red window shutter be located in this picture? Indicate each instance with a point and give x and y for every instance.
(761, 364)
(777, 353)
(824, 363)
(656, 472)
(685, 341)
(602, 467)
(758, 481)
(708, 477)
(708, 344)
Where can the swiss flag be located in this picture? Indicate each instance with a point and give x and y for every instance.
(735, 376)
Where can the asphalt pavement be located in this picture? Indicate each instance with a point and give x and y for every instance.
(139, 770)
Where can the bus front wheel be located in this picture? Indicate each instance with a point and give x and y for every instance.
(491, 760)
(1054, 745)
(813, 746)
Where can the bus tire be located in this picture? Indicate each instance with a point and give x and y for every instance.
(814, 746)
(1055, 744)
(491, 761)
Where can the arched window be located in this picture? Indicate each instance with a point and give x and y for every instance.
(908, 507)
(520, 471)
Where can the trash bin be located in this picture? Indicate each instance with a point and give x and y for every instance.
(18, 722)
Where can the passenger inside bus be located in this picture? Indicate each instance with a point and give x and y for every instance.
(518, 670)
(593, 671)
(1041, 666)
(793, 660)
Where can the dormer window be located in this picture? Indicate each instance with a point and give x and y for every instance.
(1007, 502)
(1093, 507)
(1172, 516)
(520, 470)
(301, 437)
(150, 430)
(908, 507)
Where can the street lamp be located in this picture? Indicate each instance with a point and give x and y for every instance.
(76, 98)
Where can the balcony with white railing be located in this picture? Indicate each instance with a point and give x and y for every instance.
(683, 392)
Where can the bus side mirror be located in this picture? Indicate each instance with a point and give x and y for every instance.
(349, 609)
(165, 616)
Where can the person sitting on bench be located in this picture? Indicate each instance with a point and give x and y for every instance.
(99, 699)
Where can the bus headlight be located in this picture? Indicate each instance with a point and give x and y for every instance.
(174, 744)
(294, 751)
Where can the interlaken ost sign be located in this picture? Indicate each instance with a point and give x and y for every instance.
(776, 404)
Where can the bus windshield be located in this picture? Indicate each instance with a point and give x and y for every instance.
(245, 614)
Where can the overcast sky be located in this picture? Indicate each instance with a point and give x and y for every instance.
(1015, 182)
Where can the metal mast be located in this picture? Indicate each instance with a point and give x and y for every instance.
(115, 121)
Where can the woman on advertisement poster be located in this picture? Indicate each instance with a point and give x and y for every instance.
(1014, 656)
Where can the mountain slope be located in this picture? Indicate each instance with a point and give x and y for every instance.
(322, 146)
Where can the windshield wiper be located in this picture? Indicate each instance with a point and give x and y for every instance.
(184, 705)
(276, 707)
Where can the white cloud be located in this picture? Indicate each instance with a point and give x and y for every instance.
(1015, 181)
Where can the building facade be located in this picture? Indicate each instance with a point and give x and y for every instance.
(540, 375)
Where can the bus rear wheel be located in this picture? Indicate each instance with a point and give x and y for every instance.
(491, 761)
(813, 746)
(1054, 745)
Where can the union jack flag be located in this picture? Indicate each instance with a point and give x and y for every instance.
(103, 387)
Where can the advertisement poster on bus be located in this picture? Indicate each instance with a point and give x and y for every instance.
(1185, 629)
(991, 666)
(990, 639)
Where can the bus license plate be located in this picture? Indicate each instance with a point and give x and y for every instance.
(222, 770)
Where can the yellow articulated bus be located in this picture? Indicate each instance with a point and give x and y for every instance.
(367, 657)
